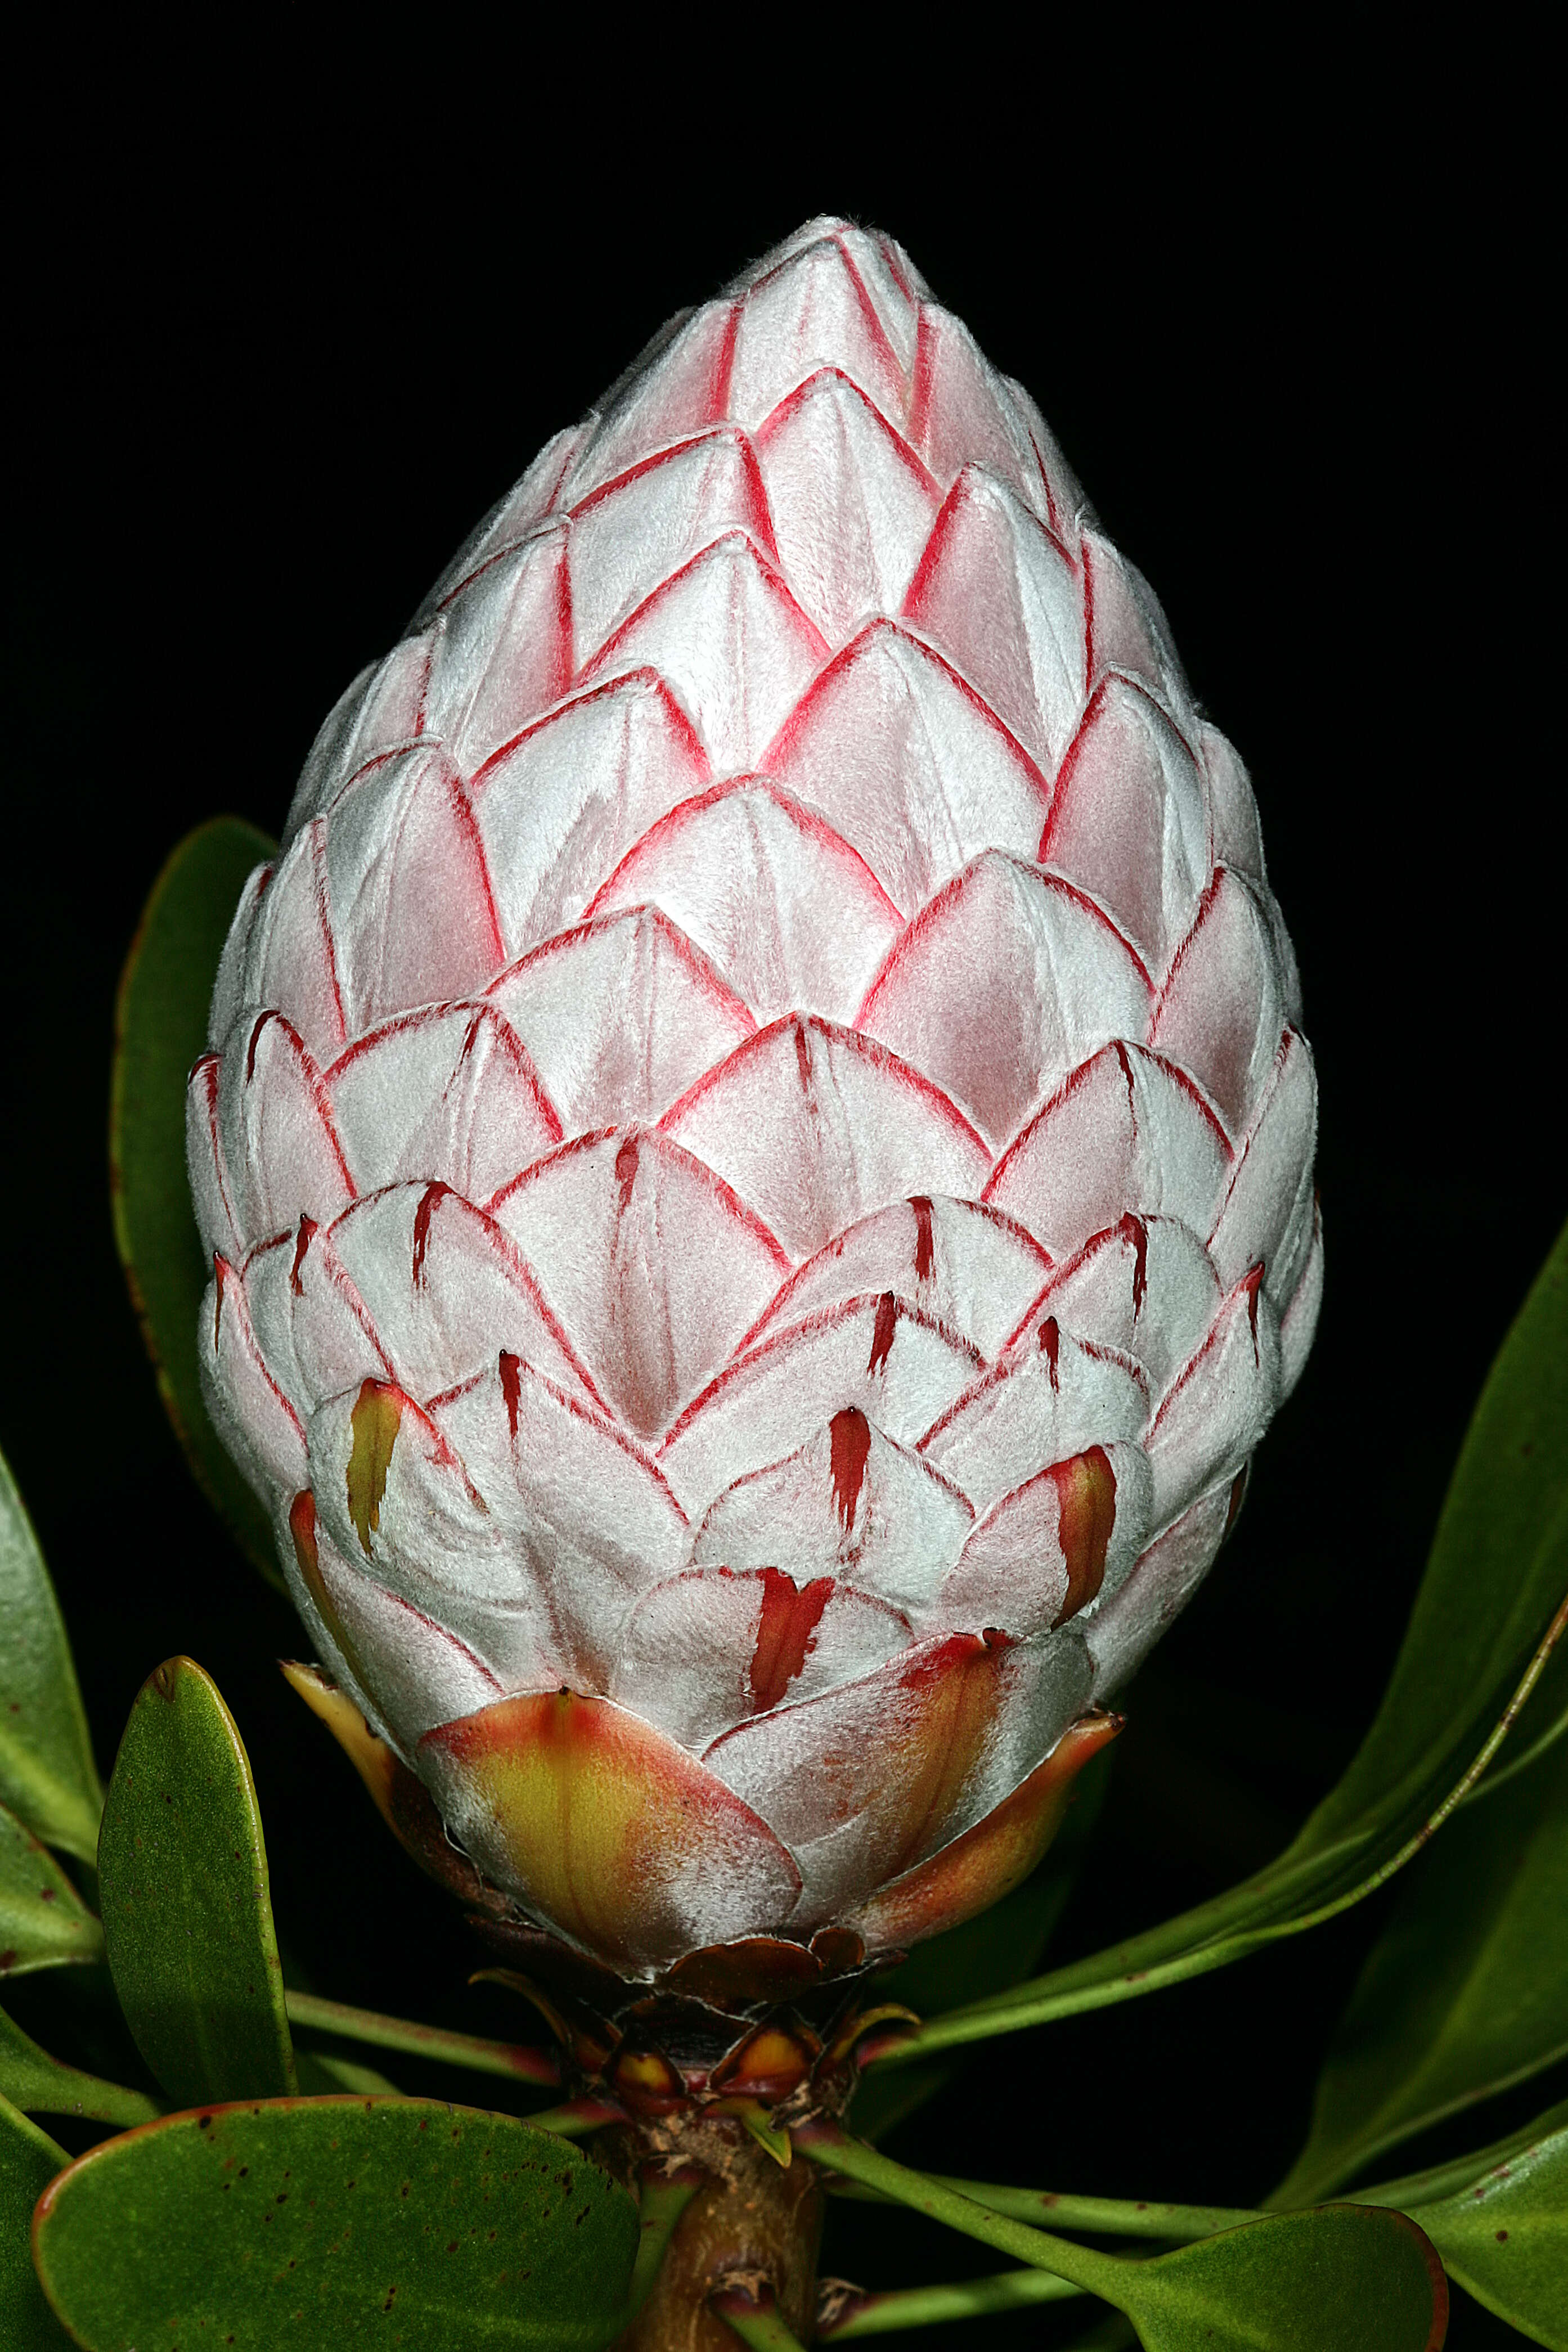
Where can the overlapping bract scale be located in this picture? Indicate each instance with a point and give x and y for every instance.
(757, 1140)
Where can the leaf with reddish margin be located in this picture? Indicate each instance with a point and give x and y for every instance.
(311, 2222)
(159, 1027)
(1341, 2279)
(1499, 2220)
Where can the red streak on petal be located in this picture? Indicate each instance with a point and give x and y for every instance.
(511, 1389)
(724, 364)
(784, 1633)
(1051, 1347)
(1126, 1061)
(850, 1440)
(302, 1241)
(302, 1527)
(1087, 573)
(882, 1336)
(802, 1057)
(254, 1042)
(421, 1217)
(1254, 1284)
(626, 1172)
(1086, 1493)
(925, 1243)
(1140, 1262)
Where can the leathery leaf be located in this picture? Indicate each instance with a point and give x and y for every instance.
(1499, 2221)
(187, 1911)
(1465, 1992)
(311, 2222)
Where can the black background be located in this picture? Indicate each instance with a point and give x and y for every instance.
(277, 350)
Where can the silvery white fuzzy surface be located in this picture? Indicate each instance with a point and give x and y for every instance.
(770, 1026)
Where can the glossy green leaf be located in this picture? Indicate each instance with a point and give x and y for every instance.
(1465, 1992)
(41, 2084)
(1543, 1721)
(1490, 1609)
(1413, 2190)
(48, 1777)
(187, 1910)
(44, 1922)
(1341, 2279)
(160, 1026)
(312, 2223)
(29, 2160)
(1505, 2237)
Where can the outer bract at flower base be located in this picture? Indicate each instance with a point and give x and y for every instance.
(757, 1150)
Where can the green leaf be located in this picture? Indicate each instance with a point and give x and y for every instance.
(311, 2223)
(29, 2162)
(1467, 1989)
(1505, 2238)
(48, 1777)
(1489, 1610)
(32, 2080)
(160, 1026)
(1543, 1721)
(187, 1911)
(1341, 2279)
(1431, 2186)
(44, 1922)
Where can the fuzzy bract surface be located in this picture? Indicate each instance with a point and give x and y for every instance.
(757, 1146)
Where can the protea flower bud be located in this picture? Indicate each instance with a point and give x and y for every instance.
(756, 1148)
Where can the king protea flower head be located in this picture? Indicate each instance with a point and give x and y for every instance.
(756, 1148)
